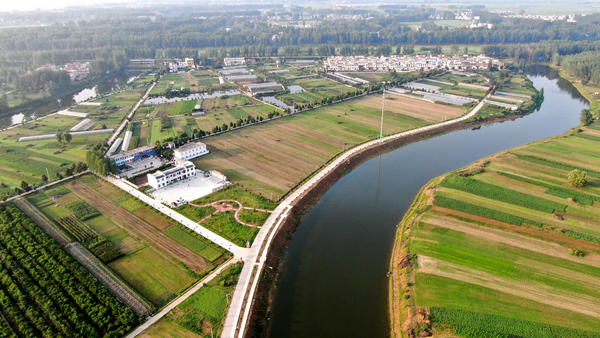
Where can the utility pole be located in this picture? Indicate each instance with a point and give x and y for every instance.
(382, 109)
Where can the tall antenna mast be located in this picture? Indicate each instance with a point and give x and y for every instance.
(382, 109)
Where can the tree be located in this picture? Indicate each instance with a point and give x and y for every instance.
(25, 186)
(59, 137)
(577, 178)
(586, 117)
(67, 137)
(44, 178)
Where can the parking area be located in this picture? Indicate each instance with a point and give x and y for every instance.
(189, 189)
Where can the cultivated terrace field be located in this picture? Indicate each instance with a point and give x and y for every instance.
(270, 159)
(506, 246)
(44, 292)
(202, 314)
(155, 256)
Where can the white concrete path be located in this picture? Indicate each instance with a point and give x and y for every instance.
(241, 303)
(202, 231)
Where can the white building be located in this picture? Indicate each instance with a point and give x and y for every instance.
(190, 150)
(234, 61)
(182, 170)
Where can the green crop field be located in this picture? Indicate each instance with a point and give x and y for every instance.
(317, 89)
(203, 314)
(155, 256)
(29, 160)
(150, 131)
(270, 159)
(508, 246)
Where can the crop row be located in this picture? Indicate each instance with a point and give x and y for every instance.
(475, 324)
(83, 211)
(495, 192)
(74, 227)
(581, 198)
(96, 243)
(45, 292)
(579, 235)
(451, 203)
(557, 165)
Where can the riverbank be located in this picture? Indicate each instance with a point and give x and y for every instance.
(262, 305)
(537, 222)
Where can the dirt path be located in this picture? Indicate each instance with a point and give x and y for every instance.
(236, 214)
(43, 222)
(142, 229)
(541, 293)
(104, 275)
(513, 239)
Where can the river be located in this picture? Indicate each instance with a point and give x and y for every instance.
(333, 280)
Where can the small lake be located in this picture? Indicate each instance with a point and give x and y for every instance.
(333, 281)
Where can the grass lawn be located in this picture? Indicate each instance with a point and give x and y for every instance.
(253, 217)
(238, 193)
(203, 313)
(224, 224)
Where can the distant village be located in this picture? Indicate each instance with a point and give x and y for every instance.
(76, 70)
(409, 63)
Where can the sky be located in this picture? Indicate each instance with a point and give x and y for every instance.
(8, 5)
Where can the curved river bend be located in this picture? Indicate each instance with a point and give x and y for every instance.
(333, 280)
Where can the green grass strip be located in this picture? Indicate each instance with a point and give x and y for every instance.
(555, 164)
(581, 198)
(498, 193)
(475, 324)
(451, 203)
(589, 137)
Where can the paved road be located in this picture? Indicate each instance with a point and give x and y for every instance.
(113, 137)
(179, 300)
(202, 231)
(239, 309)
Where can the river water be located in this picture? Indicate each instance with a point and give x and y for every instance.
(333, 280)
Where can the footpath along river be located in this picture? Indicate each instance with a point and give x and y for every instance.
(333, 279)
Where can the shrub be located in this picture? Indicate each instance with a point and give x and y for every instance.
(577, 178)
